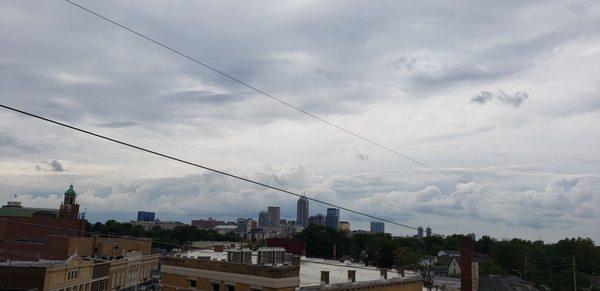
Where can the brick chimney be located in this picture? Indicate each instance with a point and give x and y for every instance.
(466, 283)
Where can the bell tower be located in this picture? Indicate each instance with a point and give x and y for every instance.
(69, 209)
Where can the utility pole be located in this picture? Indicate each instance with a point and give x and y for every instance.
(574, 275)
(525, 271)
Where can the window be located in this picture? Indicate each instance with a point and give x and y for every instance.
(215, 286)
(191, 283)
(72, 274)
(230, 287)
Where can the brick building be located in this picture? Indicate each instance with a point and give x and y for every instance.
(23, 223)
(209, 223)
(61, 247)
(179, 273)
(74, 273)
(295, 247)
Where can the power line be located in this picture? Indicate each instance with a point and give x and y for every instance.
(321, 119)
(204, 167)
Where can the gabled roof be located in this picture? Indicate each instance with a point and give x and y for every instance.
(444, 261)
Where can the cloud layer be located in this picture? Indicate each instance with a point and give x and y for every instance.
(504, 95)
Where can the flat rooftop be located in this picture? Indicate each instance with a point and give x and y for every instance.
(40, 263)
(310, 269)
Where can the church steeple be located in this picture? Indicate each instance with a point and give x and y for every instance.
(69, 208)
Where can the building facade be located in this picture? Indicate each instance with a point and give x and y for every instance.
(302, 212)
(75, 273)
(145, 216)
(274, 215)
(178, 273)
(209, 223)
(23, 223)
(332, 219)
(344, 226)
(263, 219)
(132, 271)
(377, 227)
(318, 219)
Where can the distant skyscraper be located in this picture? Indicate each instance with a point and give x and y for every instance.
(302, 212)
(332, 219)
(244, 225)
(344, 226)
(145, 216)
(377, 227)
(428, 231)
(274, 215)
(263, 219)
(318, 219)
(420, 232)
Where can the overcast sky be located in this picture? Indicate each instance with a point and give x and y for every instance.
(504, 95)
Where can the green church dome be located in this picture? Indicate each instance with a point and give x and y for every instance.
(70, 191)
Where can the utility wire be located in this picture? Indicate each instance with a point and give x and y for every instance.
(321, 119)
(204, 167)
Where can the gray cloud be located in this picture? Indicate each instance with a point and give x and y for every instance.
(51, 166)
(397, 73)
(118, 124)
(362, 157)
(56, 166)
(501, 97)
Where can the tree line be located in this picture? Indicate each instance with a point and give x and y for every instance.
(545, 264)
(167, 239)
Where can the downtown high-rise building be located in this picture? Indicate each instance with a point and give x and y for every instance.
(318, 219)
(377, 227)
(263, 219)
(274, 215)
(420, 232)
(332, 219)
(302, 212)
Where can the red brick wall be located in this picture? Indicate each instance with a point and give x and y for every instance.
(22, 277)
(291, 246)
(42, 228)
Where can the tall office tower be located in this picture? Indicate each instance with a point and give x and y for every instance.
(263, 219)
(145, 216)
(302, 212)
(318, 219)
(274, 215)
(377, 227)
(332, 219)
